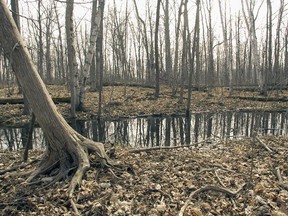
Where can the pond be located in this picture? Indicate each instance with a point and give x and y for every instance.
(162, 131)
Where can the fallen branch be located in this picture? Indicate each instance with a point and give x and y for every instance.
(16, 167)
(263, 144)
(281, 182)
(218, 178)
(263, 99)
(164, 147)
(207, 188)
(56, 100)
(221, 167)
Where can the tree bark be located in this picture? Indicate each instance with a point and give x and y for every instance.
(168, 56)
(16, 17)
(195, 53)
(176, 55)
(66, 148)
(72, 63)
(91, 50)
(157, 68)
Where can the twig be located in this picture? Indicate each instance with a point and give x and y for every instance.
(281, 182)
(164, 147)
(221, 167)
(74, 207)
(263, 144)
(218, 178)
(20, 166)
(207, 188)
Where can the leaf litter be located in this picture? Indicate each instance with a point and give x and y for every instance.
(229, 177)
(159, 182)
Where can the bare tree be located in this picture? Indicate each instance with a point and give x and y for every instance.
(60, 53)
(227, 68)
(99, 57)
(276, 69)
(145, 41)
(48, 36)
(66, 149)
(185, 50)
(176, 56)
(72, 63)
(91, 50)
(40, 45)
(194, 54)
(286, 53)
(157, 67)
(268, 45)
(168, 57)
(250, 24)
(210, 41)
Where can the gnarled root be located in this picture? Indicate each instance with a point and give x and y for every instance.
(66, 159)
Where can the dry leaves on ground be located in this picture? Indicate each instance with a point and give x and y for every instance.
(160, 182)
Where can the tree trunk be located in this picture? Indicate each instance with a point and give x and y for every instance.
(66, 148)
(157, 68)
(145, 41)
(91, 50)
(184, 66)
(195, 53)
(276, 69)
(168, 57)
(16, 17)
(250, 23)
(40, 51)
(176, 55)
(72, 63)
(61, 59)
(99, 59)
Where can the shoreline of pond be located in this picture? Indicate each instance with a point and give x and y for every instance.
(139, 102)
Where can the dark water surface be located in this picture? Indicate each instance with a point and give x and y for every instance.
(162, 131)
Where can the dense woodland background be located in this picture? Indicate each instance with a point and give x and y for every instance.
(175, 47)
(180, 43)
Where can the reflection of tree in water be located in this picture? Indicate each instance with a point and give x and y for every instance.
(12, 137)
(166, 131)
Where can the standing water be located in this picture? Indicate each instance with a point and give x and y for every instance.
(163, 131)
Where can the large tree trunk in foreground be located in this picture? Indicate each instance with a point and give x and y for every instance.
(66, 148)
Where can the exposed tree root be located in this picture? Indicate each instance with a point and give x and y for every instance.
(213, 188)
(263, 144)
(59, 162)
(277, 173)
(16, 167)
(74, 207)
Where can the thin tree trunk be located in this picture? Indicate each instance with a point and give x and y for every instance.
(40, 41)
(99, 59)
(92, 47)
(157, 68)
(184, 66)
(195, 52)
(62, 71)
(168, 57)
(276, 69)
(176, 56)
(72, 63)
(145, 41)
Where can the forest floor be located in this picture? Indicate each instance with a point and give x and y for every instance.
(228, 177)
(231, 177)
(120, 101)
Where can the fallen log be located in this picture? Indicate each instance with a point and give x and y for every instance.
(21, 101)
(263, 99)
